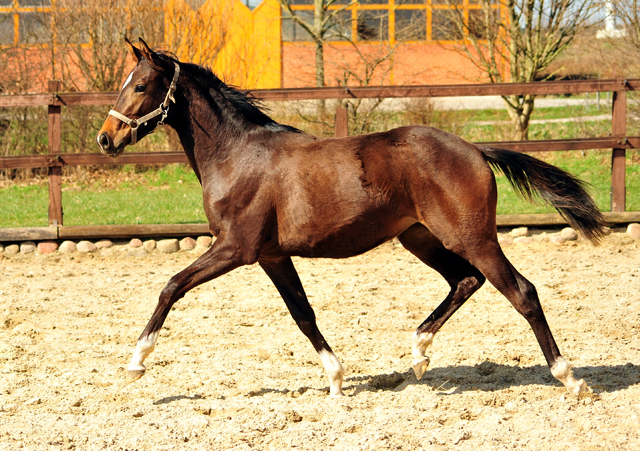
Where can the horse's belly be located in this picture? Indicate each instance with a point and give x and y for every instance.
(331, 239)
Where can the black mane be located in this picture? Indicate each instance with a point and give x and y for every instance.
(242, 101)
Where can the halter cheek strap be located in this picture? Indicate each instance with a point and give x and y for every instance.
(161, 111)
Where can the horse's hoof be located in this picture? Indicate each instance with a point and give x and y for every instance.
(420, 367)
(581, 388)
(134, 375)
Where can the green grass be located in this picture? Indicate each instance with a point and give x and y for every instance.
(593, 167)
(172, 194)
(24, 206)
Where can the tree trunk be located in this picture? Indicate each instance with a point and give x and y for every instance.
(320, 103)
(520, 109)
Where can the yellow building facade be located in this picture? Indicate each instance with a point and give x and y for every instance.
(262, 48)
(241, 45)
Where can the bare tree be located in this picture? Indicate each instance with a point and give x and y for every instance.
(197, 31)
(628, 12)
(322, 26)
(25, 63)
(367, 64)
(89, 37)
(520, 44)
(367, 58)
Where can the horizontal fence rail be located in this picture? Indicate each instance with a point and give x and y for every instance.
(357, 92)
(128, 231)
(618, 142)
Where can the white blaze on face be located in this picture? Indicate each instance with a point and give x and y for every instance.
(127, 81)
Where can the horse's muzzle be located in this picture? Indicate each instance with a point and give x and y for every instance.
(107, 146)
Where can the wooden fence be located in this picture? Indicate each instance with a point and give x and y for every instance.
(54, 160)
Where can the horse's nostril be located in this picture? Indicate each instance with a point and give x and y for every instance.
(103, 141)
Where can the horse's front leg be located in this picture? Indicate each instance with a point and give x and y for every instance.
(224, 256)
(285, 277)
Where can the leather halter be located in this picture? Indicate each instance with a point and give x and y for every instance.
(162, 110)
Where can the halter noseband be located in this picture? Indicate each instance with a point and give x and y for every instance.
(162, 110)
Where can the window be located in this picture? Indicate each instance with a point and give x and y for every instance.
(6, 29)
(340, 27)
(292, 32)
(412, 20)
(443, 25)
(34, 28)
(33, 18)
(478, 24)
(411, 24)
(33, 3)
(373, 25)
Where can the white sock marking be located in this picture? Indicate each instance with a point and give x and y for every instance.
(334, 370)
(561, 370)
(143, 349)
(420, 344)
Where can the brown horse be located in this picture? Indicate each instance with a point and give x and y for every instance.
(272, 192)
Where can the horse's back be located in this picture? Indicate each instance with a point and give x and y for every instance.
(429, 164)
(339, 197)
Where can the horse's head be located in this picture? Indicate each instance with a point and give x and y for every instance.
(143, 102)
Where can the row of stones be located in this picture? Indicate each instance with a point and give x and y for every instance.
(518, 235)
(521, 235)
(69, 247)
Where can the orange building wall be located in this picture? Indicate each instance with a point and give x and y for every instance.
(254, 57)
(411, 64)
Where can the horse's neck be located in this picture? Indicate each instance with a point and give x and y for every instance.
(206, 135)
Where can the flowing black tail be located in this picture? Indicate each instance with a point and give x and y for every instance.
(535, 178)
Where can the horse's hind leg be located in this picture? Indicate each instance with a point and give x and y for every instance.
(463, 278)
(524, 297)
(284, 276)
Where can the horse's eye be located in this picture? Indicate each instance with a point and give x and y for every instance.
(139, 88)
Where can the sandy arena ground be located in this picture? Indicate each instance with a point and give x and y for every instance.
(232, 371)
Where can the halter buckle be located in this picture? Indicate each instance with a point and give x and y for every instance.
(165, 113)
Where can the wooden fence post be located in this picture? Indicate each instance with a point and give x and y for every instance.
(342, 122)
(618, 129)
(55, 172)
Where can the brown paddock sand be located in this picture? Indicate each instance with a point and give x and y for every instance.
(232, 371)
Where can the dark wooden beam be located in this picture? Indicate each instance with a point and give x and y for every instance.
(361, 92)
(28, 234)
(342, 122)
(132, 231)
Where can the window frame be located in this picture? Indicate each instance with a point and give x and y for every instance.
(16, 10)
(429, 6)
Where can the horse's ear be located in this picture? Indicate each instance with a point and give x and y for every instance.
(135, 51)
(146, 50)
(150, 55)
